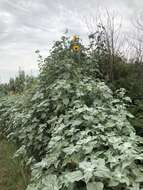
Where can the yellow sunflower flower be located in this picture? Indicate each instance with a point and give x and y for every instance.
(76, 48)
(75, 38)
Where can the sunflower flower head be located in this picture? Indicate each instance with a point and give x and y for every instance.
(76, 47)
(75, 38)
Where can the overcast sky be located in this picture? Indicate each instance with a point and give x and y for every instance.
(27, 25)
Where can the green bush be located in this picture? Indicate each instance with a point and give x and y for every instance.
(72, 129)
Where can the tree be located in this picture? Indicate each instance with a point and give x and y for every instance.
(106, 34)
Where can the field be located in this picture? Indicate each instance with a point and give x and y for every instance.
(71, 128)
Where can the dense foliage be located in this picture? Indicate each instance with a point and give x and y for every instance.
(118, 72)
(72, 129)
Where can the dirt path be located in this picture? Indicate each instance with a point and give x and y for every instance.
(10, 170)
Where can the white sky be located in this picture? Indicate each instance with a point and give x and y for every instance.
(28, 25)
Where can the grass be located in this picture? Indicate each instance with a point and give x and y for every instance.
(12, 175)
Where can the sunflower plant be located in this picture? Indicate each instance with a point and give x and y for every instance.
(73, 130)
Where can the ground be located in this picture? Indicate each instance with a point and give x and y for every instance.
(12, 176)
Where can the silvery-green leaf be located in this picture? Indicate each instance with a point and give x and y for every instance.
(95, 186)
(50, 183)
(74, 176)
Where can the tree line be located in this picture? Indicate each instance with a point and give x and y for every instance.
(17, 85)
